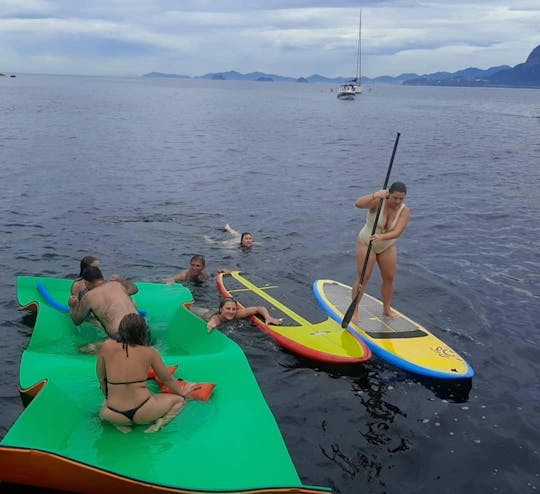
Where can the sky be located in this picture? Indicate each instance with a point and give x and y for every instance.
(290, 38)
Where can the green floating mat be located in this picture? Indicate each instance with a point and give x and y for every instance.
(230, 444)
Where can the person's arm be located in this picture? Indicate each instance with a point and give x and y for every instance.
(130, 287)
(101, 373)
(75, 287)
(163, 374)
(261, 311)
(231, 230)
(78, 309)
(181, 276)
(371, 201)
(402, 223)
(213, 323)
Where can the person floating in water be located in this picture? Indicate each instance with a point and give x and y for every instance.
(229, 311)
(392, 222)
(245, 239)
(122, 370)
(196, 271)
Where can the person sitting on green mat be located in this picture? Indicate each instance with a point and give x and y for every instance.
(122, 370)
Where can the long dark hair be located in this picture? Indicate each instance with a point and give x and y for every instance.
(132, 330)
(86, 262)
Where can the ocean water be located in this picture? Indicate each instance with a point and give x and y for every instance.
(144, 173)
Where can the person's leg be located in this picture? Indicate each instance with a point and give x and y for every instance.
(361, 251)
(174, 404)
(121, 422)
(387, 262)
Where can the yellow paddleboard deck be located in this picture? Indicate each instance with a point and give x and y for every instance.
(306, 330)
(400, 341)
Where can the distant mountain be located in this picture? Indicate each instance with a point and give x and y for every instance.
(232, 75)
(161, 74)
(523, 75)
(465, 77)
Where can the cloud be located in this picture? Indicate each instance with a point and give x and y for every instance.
(295, 38)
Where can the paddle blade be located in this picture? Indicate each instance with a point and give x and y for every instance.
(350, 311)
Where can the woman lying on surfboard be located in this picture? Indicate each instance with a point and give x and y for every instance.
(393, 220)
(229, 311)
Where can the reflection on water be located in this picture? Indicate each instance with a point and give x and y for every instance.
(153, 174)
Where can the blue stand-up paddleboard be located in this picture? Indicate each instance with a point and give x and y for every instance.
(400, 341)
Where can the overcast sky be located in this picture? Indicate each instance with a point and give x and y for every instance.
(292, 38)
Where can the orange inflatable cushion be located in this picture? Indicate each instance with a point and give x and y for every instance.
(152, 374)
(199, 391)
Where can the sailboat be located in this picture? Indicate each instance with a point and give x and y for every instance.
(358, 79)
(348, 90)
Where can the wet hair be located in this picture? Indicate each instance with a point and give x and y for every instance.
(242, 238)
(132, 330)
(198, 257)
(86, 262)
(224, 301)
(91, 274)
(398, 187)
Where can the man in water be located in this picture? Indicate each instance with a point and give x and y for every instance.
(109, 301)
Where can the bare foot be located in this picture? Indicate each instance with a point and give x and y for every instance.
(156, 426)
(274, 321)
(355, 318)
(125, 429)
(391, 314)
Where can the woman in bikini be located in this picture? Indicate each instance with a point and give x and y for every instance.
(393, 220)
(122, 370)
(229, 311)
(79, 288)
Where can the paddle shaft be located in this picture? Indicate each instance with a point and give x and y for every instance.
(348, 315)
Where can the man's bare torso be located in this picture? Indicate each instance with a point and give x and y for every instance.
(109, 302)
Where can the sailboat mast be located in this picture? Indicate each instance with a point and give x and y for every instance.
(359, 50)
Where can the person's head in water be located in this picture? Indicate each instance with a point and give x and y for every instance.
(397, 193)
(88, 261)
(246, 240)
(133, 330)
(228, 308)
(197, 264)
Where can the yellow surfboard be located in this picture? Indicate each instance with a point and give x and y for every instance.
(306, 329)
(400, 341)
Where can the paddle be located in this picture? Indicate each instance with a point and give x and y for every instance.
(348, 315)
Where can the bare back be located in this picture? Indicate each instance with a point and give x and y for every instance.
(109, 302)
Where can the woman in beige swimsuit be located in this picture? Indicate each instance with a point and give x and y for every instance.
(393, 220)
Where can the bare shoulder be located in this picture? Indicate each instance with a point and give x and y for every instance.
(77, 286)
(109, 346)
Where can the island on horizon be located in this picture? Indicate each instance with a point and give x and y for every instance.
(523, 75)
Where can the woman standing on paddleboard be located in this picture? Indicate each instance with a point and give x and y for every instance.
(393, 220)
